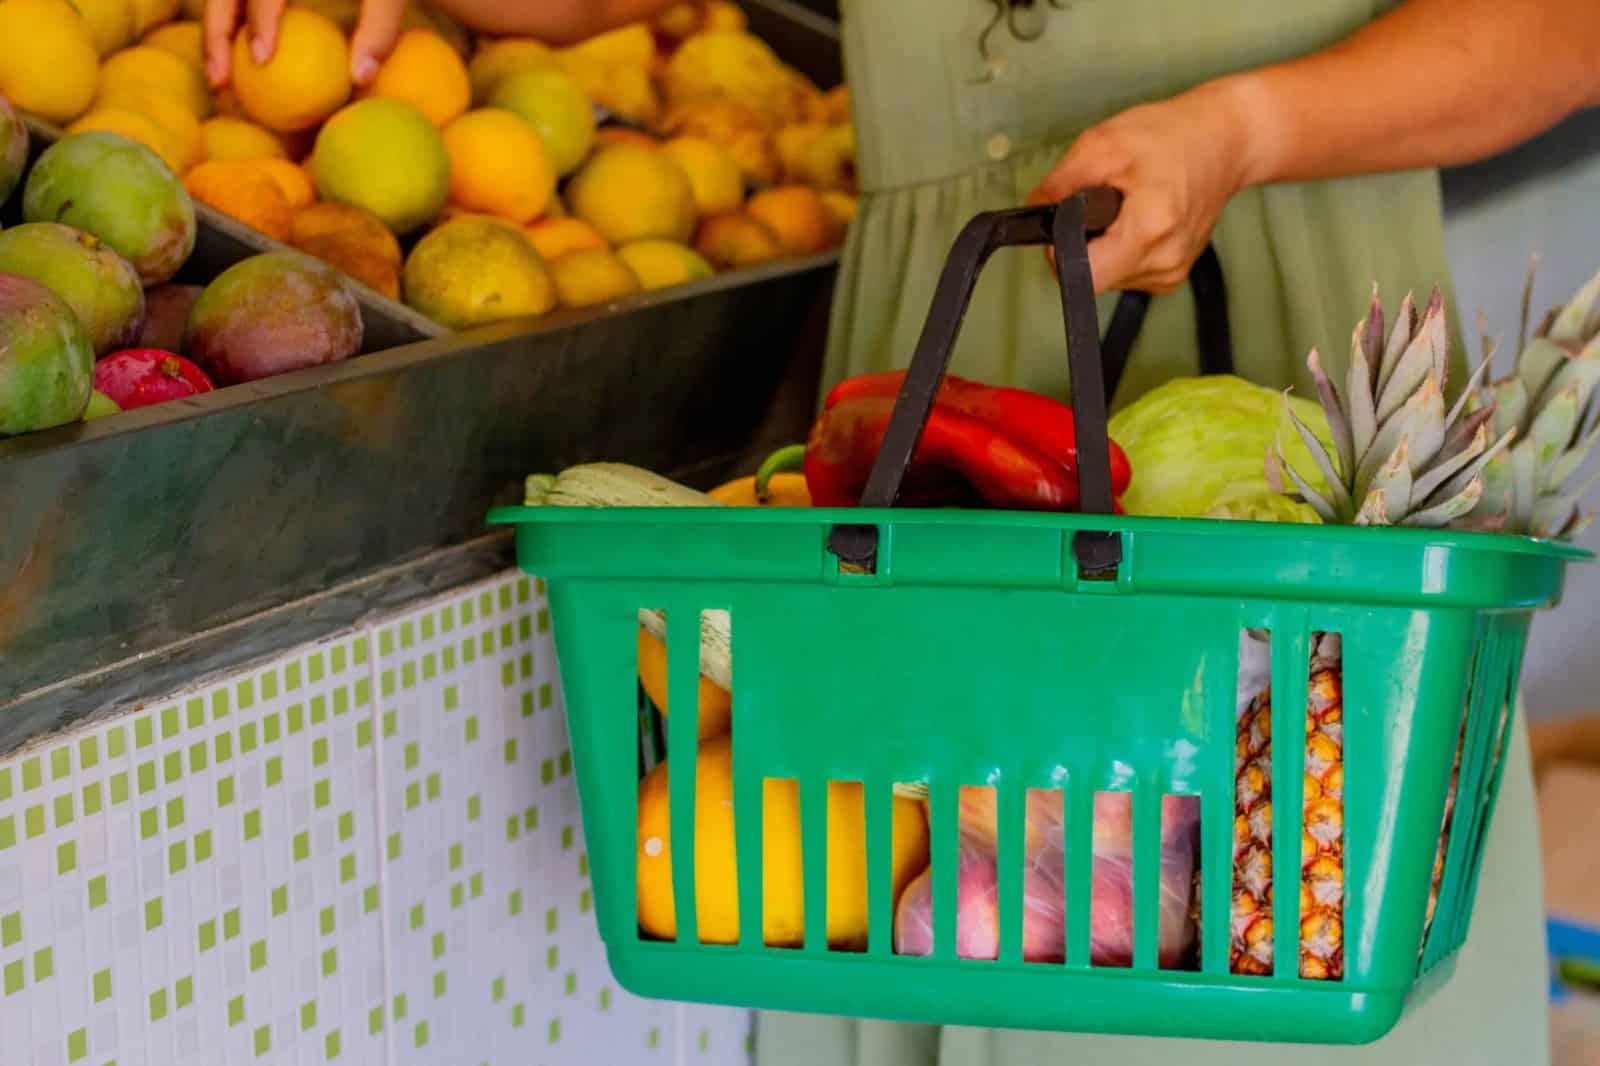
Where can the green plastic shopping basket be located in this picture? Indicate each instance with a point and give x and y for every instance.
(1078, 652)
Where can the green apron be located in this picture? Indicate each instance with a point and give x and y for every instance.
(943, 136)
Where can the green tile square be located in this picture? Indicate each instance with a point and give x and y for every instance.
(525, 666)
(60, 763)
(524, 589)
(223, 746)
(544, 620)
(508, 674)
(391, 723)
(413, 796)
(174, 812)
(44, 964)
(116, 742)
(33, 820)
(564, 763)
(330, 962)
(319, 708)
(337, 658)
(291, 675)
(385, 642)
(144, 735)
(585, 901)
(271, 729)
(566, 838)
(63, 809)
(97, 892)
(220, 704)
(547, 772)
(247, 737)
(341, 696)
(252, 824)
(547, 696)
(416, 916)
(458, 895)
(262, 1040)
(472, 728)
(386, 683)
(347, 868)
(230, 923)
(570, 983)
(177, 857)
(274, 771)
(363, 694)
(425, 624)
(432, 785)
(88, 755)
(149, 822)
(172, 766)
(280, 903)
(152, 914)
(294, 719)
(525, 628)
(447, 657)
(527, 705)
(308, 1015)
(408, 675)
(519, 1015)
(158, 1004)
(399, 1007)
(447, 618)
(77, 1045)
(195, 713)
(119, 787)
(506, 638)
(235, 1010)
(510, 751)
(467, 612)
(8, 832)
(183, 992)
(413, 755)
(199, 757)
(315, 668)
(375, 1020)
(408, 634)
(5, 783)
(326, 920)
(552, 957)
(513, 829)
(440, 985)
(321, 793)
(202, 845)
(550, 920)
(170, 723)
(208, 934)
(455, 856)
(452, 697)
(420, 1034)
(475, 885)
(497, 989)
(13, 977)
(246, 691)
(430, 666)
(486, 643)
(605, 998)
(302, 847)
(269, 685)
(330, 1045)
(505, 597)
(474, 808)
(369, 899)
(225, 791)
(358, 650)
(515, 902)
(347, 825)
(438, 944)
(258, 955)
(469, 651)
(101, 984)
(145, 773)
(364, 733)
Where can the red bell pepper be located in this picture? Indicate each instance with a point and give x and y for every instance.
(1043, 424)
(1006, 473)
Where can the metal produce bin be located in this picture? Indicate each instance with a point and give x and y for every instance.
(131, 541)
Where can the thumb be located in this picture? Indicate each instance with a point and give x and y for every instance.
(1085, 164)
(374, 37)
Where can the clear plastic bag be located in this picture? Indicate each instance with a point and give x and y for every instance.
(1043, 883)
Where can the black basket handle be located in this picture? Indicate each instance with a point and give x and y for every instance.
(1066, 226)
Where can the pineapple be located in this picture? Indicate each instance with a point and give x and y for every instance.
(1399, 458)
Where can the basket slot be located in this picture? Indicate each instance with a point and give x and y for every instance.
(748, 814)
(1010, 819)
(683, 729)
(1079, 865)
(1146, 874)
(1044, 889)
(880, 870)
(1488, 703)
(943, 839)
(1291, 655)
(814, 833)
(1218, 774)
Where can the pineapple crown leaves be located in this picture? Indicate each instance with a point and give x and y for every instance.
(1399, 457)
(1549, 402)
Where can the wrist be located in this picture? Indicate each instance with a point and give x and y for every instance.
(1253, 137)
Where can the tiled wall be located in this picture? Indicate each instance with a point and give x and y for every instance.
(367, 851)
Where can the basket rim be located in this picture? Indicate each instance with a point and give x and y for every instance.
(1350, 536)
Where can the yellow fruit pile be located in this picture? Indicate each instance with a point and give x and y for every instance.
(642, 158)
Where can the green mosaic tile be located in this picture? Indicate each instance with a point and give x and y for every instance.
(585, 901)
(64, 808)
(505, 597)
(116, 742)
(513, 829)
(468, 613)
(525, 628)
(152, 914)
(363, 733)
(44, 964)
(292, 679)
(144, 735)
(330, 962)
(341, 696)
(269, 685)
(552, 957)
(497, 989)
(294, 719)
(262, 1040)
(425, 624)
(12, 977)
(653, 1038)
(514, 902)
(220, 704)
(235, 1010)
(252, 824)
(471, 730)
(475, 885)
(447, 617)
(447, 656)
(508, 675)
(363, 690)
(569, 984)
(519, 1014)
(88, 755)
(145, 774)
(97, 892)
(319, 708)
(458, 895)
(8, 832)
(550, 920)
(386, 684)
(413, 796)
(246, 691)
(321, 794)
(544, 620)
(605, 999)
(438, 945)
(101, 985)
(547, 772)
(271, 729)
(225, 792)
(199, 757)
(358, 650)
(302, 847)
(527, 705)
(420, 1035)
(408, 634)
(391, 724)
(172, 767)
(175, 812)
(274, 771)
(385, 642)
(149, 822)
(308, 1015)
(183, 992)
(375, 1020)
(202, 845)
(474, 808)
(441, 985)
(208, 934)
(567, 838)
(258, 955)
(33, 820)
(347, 825)
(177, 857)
(347, 868)
(230, 923)
(316, 669)
(369, 899)
(280, 903)
(330, 1045)
(170, 722)
(77, 1045)
(431, 784)
(223, 746)
(119, 788)
(509, 752)
(456, 856)
(5, 783)
(326, 921)
(547, 696)
(430, 666)
(400, 1007)
(60, 763)
(469, 651)
(507, 637)
(247, 737)
(337, 658)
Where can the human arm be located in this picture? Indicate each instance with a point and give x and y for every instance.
(1431, 83)
(557, 22)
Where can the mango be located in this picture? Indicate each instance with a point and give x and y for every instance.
(272, 314)
(13, 149)
(119, 191)
(46, 363)
(474, 270)
(98, 284)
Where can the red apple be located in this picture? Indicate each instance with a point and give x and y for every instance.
(139, 377)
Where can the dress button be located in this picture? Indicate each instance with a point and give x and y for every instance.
(999, 147)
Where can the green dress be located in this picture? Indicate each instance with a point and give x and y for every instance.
(942, 135)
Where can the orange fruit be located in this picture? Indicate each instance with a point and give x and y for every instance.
(474, 270)
(591, 276)
(242, 192)
(716, 179)
(552, 104)
(306, 80)
(112, 23)
(842, 206)
(716, 877)
(291, 180)
(663, 264)
(555, 237)
(498, 165)
(50, 64)
(166, 111)
(148, 14)
(143, 69)
(224, 137)
(737, 240)
(385, 156)
(716, 706)
(629, 193)
(345, 252)
(355, 224)
(798, 215)
(424, 71)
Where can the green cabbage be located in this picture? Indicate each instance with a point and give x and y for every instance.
(1198, 447)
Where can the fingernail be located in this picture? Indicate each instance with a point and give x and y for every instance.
(365, 68)
(261, 50)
